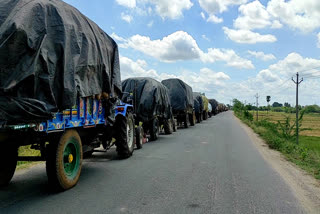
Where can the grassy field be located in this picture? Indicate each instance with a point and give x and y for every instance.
(307, 154)
(310, 121)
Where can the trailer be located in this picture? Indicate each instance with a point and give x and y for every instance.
(181, 98)
(152, 107)
(59, 88)
(198, 106)
(64, 139)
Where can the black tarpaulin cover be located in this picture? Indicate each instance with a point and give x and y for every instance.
(214, 105)
(181, 95)
(49, 54)
(198, 104)
(150, 97)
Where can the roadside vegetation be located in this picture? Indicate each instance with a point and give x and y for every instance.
(27, 151)
(278, 129)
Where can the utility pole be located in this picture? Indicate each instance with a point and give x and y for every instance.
(297, 82)
(257, 104)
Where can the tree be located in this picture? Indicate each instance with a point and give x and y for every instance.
(276, 104)
(287, 105)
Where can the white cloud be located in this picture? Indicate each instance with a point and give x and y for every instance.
(318, 37)
(164, 8)
(180, 46)
(303, 15)
(126, 17)
(150, 24)
(170, 9)
(205, 37)
(205, 80)
(247, 36)
(214, 19)
(218, 6)
(294, 63)
(127, 3)
(276, 82)
(174, 47)
(227, 55)
(130, 68)
(118, 38)
(213, 7)
(252, 16)
(203, 15)
(262, 56)
(276, 24)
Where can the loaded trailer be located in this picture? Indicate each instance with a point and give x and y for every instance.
(59, 88)
(198, 106)
(152, 107)
(65, 139)
(181, 98)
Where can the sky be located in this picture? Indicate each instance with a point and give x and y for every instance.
(224, 48)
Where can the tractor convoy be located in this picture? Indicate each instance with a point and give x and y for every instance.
(61, 93)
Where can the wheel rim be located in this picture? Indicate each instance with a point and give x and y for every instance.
(71, 158)
(130, 133)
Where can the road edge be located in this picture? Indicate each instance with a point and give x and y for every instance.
(305, 187)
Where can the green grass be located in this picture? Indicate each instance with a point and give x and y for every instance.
(305, 155)
(26, 151)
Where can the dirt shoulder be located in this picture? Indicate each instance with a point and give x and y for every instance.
(305, 187)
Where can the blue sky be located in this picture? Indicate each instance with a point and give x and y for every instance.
(224, 48)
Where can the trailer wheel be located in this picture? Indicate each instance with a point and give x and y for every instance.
(8, 163)
(174, 125)
(186, 120)
(154, 129)
(139, 137)
(64, 161)
(125, 135)
(192, 119)
(168, 126)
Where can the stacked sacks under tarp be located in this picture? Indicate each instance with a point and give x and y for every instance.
(205, 107)
(181, 98)
(198, 106)
(49, 56)
(214, 105)
(151, 103)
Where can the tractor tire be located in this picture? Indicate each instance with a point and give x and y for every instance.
(192, 119)
(174, 125)
(125, 135)
(168, 126)
(8, 163)
(186, 121)
(64, 161)
(154, 129)
(139, 137)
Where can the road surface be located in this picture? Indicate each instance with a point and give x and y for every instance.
(210, 168)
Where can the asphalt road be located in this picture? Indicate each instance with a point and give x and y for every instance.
(210, 168)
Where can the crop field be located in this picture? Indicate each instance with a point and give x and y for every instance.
(310, 122)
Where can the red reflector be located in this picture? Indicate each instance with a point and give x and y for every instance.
(120, 108)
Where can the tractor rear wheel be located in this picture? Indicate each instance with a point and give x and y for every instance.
(8, 163)
(125, 135)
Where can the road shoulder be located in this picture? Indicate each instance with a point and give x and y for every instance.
(305, 187)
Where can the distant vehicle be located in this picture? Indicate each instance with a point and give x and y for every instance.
(214, 105)
(181, 98)
(209, 110)
(152, 107)
(205, 107)
(198, 106)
